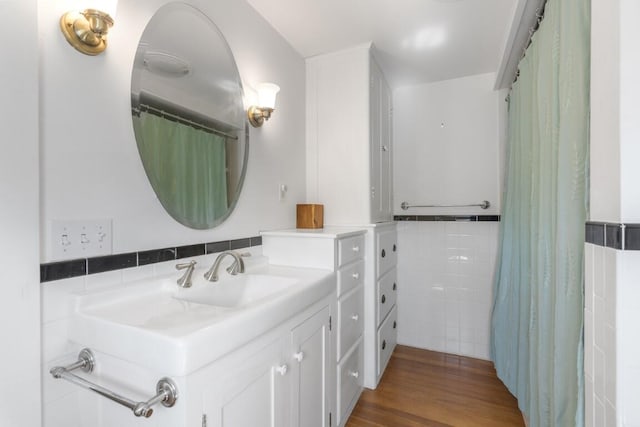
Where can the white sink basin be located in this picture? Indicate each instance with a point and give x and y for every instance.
(176, 331)
(237, 291)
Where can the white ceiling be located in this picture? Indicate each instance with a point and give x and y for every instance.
(417, 41)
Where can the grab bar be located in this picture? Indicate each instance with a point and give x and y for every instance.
(484, 205)
(167, 392)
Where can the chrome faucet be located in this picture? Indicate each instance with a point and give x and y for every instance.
(233, 269)
(185, 280)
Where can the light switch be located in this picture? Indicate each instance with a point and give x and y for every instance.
(79, 239)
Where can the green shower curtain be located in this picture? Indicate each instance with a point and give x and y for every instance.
(537, 315)
(187, 169)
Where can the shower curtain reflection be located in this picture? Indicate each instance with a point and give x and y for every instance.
(186, 167)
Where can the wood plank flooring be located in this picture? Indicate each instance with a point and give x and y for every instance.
(426, 388)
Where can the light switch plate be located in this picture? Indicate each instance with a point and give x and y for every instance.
(79, 238)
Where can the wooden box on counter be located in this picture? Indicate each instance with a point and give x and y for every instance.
(309, 216)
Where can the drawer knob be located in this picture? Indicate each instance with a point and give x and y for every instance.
(299, 356)
(394, 248)
(355, 276)
(283, 369)
(355, 317)
(383, 254)
(394, 324)
(356, 249)
(384, 299)
(384, 344)
(395, 286)
(354, 374)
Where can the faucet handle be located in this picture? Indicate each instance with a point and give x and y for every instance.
(190, 264)
(185, 280)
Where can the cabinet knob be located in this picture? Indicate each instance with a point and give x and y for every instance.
(355, 276)
(385, 148)
(383, 254)
(355, 317)
(283, 369)
(395, 286)
(384, 344)
(299, 356)
(354, 374)
(384, 299)
(394, 324)
(394, 247)
(356, 249)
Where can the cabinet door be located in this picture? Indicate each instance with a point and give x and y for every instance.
(309, 373)
(375, 89)
(254, 394)
(386, 154)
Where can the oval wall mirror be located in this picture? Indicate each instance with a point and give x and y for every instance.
(188, 116)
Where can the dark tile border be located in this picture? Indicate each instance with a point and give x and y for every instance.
(613, 235)
(81, 267)
(465, 218)
(632, 237)
(63, 270)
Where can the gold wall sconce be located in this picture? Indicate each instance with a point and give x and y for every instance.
(266, 103)
(87, 31)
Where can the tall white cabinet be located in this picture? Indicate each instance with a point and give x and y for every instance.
(348, 137)
(349, 158)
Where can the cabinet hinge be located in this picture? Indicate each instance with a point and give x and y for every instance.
(204, 420)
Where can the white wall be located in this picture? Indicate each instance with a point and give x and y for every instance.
(612, 367)
(448, 143)
(445, 285)
(19, 275)
(90, 166)
(90, 163)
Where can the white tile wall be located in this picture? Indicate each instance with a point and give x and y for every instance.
(445, 277)
(61, 400)
(600, 335)
(628, 338)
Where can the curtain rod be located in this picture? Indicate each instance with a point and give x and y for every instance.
(174, 117)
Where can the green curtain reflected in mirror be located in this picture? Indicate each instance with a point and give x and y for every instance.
(186, 167)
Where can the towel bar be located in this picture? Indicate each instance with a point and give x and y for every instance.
(484, 205)
(166, 390)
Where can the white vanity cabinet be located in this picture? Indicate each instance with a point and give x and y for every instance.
(349, 137)
(381, 289)
(341, 250)
(283, 383)
(310, 364)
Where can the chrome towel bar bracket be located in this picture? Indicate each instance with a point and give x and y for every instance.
(166, 390)
(484, 205)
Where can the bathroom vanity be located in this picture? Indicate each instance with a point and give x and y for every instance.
(250, 350)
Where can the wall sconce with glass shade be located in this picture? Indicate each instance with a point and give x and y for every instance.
(87, 31)
(266, 104)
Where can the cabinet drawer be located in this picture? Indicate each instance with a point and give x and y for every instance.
(387, 251)
(350, 276)
(386, 292)
(350, 248)
(349, 382)
(387, 338)
(350, 320)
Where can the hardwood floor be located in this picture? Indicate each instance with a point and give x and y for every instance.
(425, 388)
